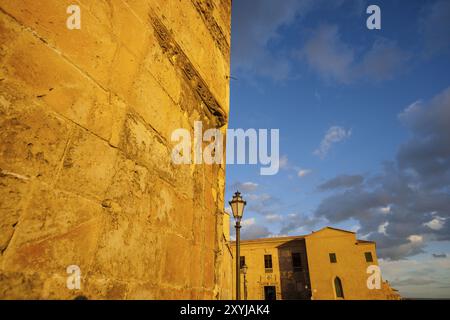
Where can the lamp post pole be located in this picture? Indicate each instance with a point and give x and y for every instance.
(238, 260)
(237, 206)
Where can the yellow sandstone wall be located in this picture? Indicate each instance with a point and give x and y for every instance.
(226, 258)
(85, 123)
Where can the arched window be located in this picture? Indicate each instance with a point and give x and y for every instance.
(338, 288)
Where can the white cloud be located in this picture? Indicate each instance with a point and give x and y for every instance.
(382, 228)
(415, 238)
(251, 230)
(284, 162)
(259, 197)
(435, 224)
(398, 251)
(245, 186)
(385, 210)
(273, 217)
(249, 186)
(333, 135)
(278, 235)
(410, 113)
(303, 172)
(255, 231)
(414, 278)
(248, 222)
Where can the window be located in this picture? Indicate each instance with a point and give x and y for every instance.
(241, 261)
(333, 258)
(268, 261)
(338, 288)
(368, 256)
(270, 293)
(296, 261)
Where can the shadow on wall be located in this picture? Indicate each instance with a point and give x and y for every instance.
(293, 266)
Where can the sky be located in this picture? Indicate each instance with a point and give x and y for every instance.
(364, 122)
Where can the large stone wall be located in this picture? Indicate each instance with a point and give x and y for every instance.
(86, 178)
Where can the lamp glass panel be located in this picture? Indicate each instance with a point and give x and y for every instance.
(234, 208)
(240, 208)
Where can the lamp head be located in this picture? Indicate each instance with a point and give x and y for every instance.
(237, 206)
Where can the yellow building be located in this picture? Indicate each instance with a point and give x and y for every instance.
(325, 265)
(225, 261)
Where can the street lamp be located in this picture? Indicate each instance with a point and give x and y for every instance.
(244, 271)
(237, 206)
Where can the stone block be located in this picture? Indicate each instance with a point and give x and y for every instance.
(88, 165)
(91, 48)
(166, 75)
(33, 140)
(13, 285)
(130, 186)
(126, 66)
(127, 249)
(143, 291)
(53, 213)
(53, 254)
(176, 254)
(155, 106)
(208, 269)
(63, 87)
(129, 29)
(196, 266)
(14, 190)
(142, 144)
(210, 221)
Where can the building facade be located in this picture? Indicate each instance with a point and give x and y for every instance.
(88, 188)
(225, 261)
(329, 264)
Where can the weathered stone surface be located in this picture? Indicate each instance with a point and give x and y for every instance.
(143, 291)
(91, 49)
(88, 165)
(37, 72)
(208, 269)
(13, 285)
(145, 145)
(86, 175)
(32, 140)
(127, 249)
(197, 42)
(153, 104)
(13, 190)
(131, 187)
(52, 213)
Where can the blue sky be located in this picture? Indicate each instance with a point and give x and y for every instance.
(364, 120)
